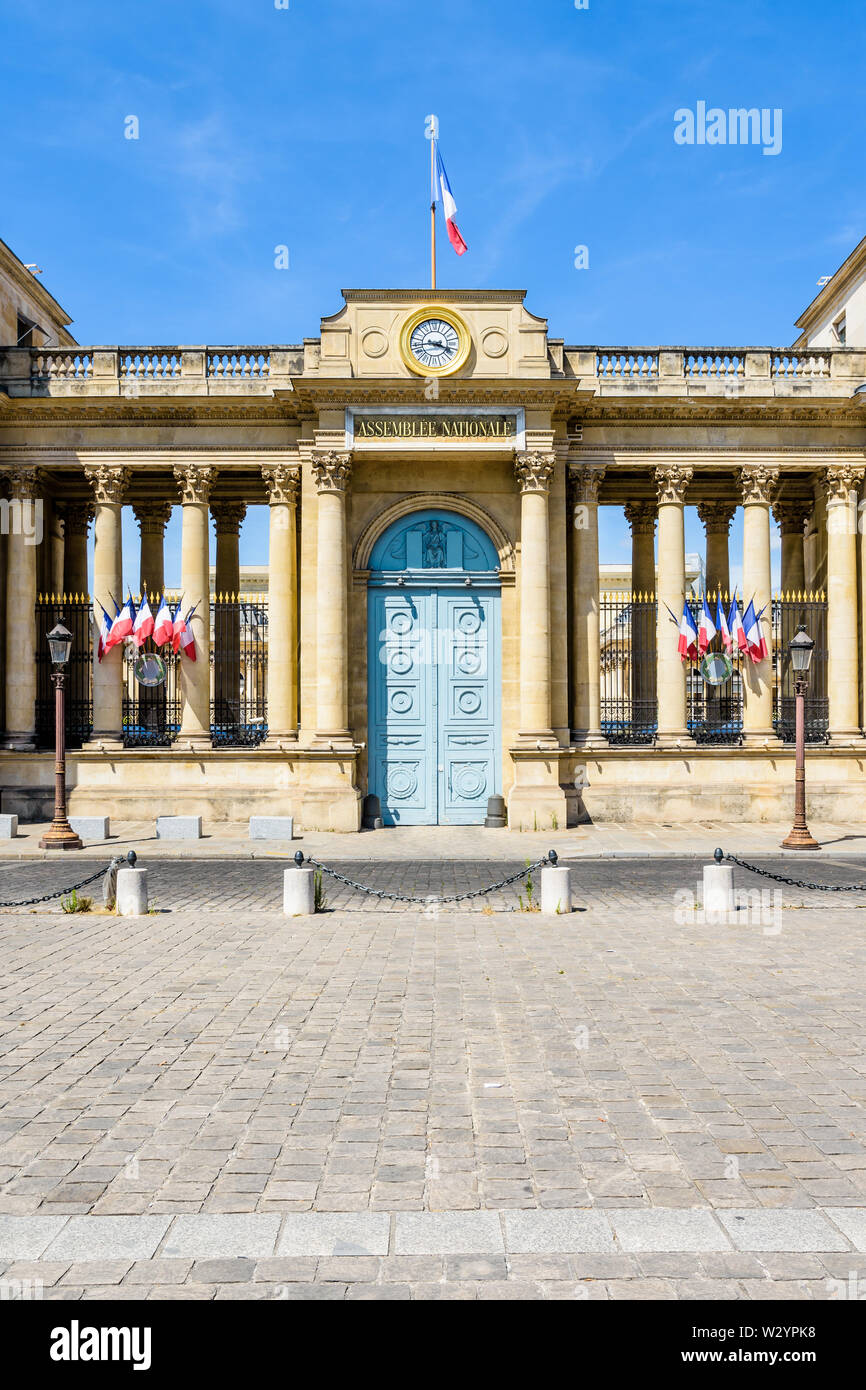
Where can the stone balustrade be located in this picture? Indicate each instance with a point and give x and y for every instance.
(231, 370)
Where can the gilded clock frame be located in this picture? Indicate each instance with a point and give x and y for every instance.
(437, 311)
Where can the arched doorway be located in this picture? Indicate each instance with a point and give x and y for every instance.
(434, 670)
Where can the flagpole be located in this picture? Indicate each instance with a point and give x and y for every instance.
(432, 214)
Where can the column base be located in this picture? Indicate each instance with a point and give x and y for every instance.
(195, 743)
(281, 738)
(763, 738)
(845, 738)
(19, 743)
(109, 741)
(589, 739)
(528, 739)
(536, 800)
(675, 738)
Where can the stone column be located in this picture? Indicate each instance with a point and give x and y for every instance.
(672, 481)
(283, 484)
(228, 517)
(331, 472)
(717, 518)
(21, 634)
(759, 485)
(76, 523)
(842, 483)
(152, 518)
(641, 517)
(534, 472)
(586, 481)
(195, 482)
(792, 516)
(109, 483)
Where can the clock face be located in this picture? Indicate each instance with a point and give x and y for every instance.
(434, 343)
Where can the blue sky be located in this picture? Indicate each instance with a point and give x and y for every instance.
(304, 127)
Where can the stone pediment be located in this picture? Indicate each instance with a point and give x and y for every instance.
(363, 339)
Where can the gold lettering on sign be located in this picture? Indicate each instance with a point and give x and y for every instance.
(435, 426)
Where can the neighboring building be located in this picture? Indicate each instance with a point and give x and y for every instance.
(837, 315)
(433, 463)
(29, 316)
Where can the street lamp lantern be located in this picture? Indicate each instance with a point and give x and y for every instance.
(60, 834)
(800, 650)
(59, 644)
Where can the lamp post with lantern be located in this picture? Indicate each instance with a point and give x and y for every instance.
(60, 834)
(800, 650)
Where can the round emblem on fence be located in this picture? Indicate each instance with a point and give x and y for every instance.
(149, 669)
(716, 668)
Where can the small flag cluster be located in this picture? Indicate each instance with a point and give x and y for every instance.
(138, 624)
(741, 632)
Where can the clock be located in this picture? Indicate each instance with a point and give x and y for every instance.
(434, 341)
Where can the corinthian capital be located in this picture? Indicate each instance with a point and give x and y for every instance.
(152, 517)
(283, 482)
(585, 480)
(77, 517)
(24, 483)
(758, 482)
(641, 517)
(331, 470)
(792, 515)
(109, 482)
(534, 470)
(195, 481)
(717, 517)
(672, 481)
(840, 480)
(228, 517)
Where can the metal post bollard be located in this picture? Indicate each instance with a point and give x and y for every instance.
(131, 889)
(718, 889)
(555, 887)
(299, 890)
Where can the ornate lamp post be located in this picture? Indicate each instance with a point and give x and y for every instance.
(800, 649)
(60, 834)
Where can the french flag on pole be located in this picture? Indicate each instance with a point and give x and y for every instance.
(449, 207)
(722, 626)
(707, 628)
(104, 631)
(143, 625)
(738, 632)
(687, 646)
(163, 627)
(122, 625)
(755, 639)
(187, 641)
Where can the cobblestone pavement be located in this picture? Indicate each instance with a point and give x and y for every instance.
(622, 1103)
(238, 884)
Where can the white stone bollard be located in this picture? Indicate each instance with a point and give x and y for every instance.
(299, 892)
(131, 892)
(718, 891)
(555, 890)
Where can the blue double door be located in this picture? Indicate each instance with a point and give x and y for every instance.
(433, 703)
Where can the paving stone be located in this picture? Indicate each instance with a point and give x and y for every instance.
(108, 1238)
(663, 1230)
(851, 1222)
(326, 1233)
(28, 1237)
(448, 1233)
(228, 1271)
(218, 1236)
(557, 1232)
(796, 1231)
(89, 1272)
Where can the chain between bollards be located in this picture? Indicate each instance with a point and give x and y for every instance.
(720, 857)
(130, 858)
(551, 858)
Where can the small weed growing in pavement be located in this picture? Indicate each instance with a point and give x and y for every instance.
(319, 899)
(554, 821)
(75, 904)
(528, 904)
(487, 910)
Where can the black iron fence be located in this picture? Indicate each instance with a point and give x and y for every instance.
(714, 712)
(239, 661)
(627, 654)
(789, 611)
(76, 613)
(151, 713)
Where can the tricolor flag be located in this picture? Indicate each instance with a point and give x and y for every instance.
(122, 625)
(187, 641)
(687, 646)
(104, 631)
(442, 189)
(722, 626)
(143, 625)
(163, 627)
(707, 628)
(757, 642)
(178, 623)
(738, 632)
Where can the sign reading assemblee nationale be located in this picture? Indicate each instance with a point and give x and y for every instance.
(435, 427)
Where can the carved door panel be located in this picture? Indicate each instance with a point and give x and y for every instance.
(402, 706)
(468, 684)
